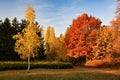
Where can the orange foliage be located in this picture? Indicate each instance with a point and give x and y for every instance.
(106, 62)
(81, 35)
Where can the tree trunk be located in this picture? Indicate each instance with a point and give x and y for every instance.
(28, 63)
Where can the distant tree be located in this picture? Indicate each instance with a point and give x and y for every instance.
(81, 36)
(6, 41)
(115, 25)
(15, 25)
(54, 46)
(41, 50)
(67, 30)
(47, 46)
(0, 22)
(59, 48)
(118, 9)
(50, 43)
(30, 14)
(103, 45)
(22, 25)
(28, 41)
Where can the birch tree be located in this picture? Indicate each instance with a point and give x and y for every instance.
(27, 41)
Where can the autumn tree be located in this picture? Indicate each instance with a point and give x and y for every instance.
(115, 23)
(27, 41)
(103, 47)
(67, 30)
(81, 36)
(54, 46)
(115, 26)
(59, 48)
(50, 43)
(118, 9)
(30, 14)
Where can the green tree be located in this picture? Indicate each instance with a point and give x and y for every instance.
(6, 41)
(22, 25)
(41, 50)
(15, 25)
(28, 41)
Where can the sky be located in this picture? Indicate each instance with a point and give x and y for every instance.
(59, 13)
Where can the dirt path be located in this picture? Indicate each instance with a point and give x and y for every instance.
(99, 70)
(61, 71)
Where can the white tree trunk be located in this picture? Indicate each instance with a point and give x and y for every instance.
(28, 63)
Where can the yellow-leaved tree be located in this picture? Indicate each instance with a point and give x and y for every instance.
(50, 43)
(103, 47)
(28, 41)
(54, 46)
(102, 51)
(30, 14)
(60, 51)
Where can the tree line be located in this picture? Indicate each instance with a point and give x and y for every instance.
(84, 40)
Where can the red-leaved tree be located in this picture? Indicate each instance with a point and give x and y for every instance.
(81, 36)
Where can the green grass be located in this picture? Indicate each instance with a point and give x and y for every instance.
(56, 74)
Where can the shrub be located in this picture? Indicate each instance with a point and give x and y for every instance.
(77, 61)
(23, 65)
(108, 61)
(96, 63)
(104, 63)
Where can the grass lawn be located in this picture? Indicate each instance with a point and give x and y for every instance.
(59, 74)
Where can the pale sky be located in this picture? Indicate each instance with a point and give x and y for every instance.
(59, 13)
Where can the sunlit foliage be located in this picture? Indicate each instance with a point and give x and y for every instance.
(50, 43)
(115, 26)
(28, 41)
(103, 45)
(81, 36)
(30, 14)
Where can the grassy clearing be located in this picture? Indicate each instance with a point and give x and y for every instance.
(56, 74)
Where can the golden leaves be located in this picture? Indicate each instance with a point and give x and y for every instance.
(28, 40)
(30, 14)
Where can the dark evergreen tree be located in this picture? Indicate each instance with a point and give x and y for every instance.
(6, 41)
(22, 25)
(41, 52)
(15, 25)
